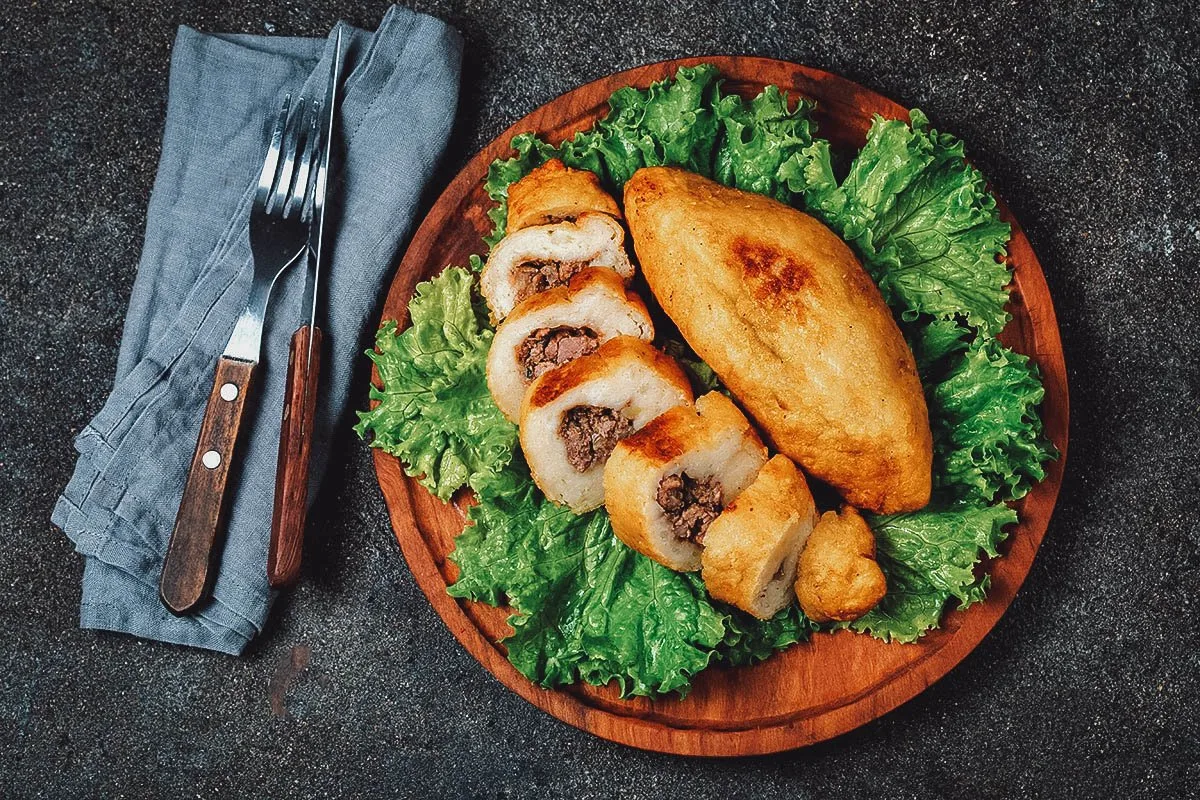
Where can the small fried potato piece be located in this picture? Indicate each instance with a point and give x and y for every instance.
(838, 578)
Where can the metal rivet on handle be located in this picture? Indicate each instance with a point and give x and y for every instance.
(211, 459)
(229, 392)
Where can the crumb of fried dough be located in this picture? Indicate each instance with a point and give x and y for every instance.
(838, 578)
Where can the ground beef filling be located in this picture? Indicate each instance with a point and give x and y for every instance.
(590, 433)
(546, 348)
(690, 504)
(541, 274)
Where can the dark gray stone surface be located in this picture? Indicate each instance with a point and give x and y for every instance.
(1084, 117)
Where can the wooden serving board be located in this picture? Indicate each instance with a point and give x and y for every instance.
(812, 691)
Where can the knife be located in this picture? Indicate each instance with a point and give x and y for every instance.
(278, 234)
(303, 378)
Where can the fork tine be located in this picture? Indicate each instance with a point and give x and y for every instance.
(267, 177)
(296, 199)
(306, 210)
(287, 164)
(317, 176)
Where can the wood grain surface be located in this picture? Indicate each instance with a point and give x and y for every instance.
(812, 691)
(295, 450)
(188, 566)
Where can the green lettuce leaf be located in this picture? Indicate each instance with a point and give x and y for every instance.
(988, 442)
(988, 447)
(930, 557)
(893, 156)
(748, 640)
(499, 554)
(682, 121)
(922, 220)
(589, 608)
(434, 411)
(813, 184)
(931, 340)
(672, 123)
(763, 143)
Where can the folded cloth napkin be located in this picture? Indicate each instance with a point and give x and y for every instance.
(399, 97)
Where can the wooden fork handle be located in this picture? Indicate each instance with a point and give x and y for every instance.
(188, 568)
(295, 450)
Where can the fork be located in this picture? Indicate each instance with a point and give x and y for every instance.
(278, 239)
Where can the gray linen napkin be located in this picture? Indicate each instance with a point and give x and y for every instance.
(398, 104)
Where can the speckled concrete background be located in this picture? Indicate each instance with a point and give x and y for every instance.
(1084, 118)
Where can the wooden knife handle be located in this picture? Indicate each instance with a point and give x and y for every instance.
(295, 448)
(188, 569)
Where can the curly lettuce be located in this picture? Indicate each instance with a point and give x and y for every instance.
(929, 558)
(682, 121)
(763, 147)
(988, 442)
(532, 152)
(922, 219)
(433, 410)
(588, 607)
(933, 340)
(672, 123)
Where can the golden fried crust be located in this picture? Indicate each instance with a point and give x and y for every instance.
(780, 308)
(600, 364)
(839, 579)
(627, 481)
(680, 429)
(756, 535)
(663, 438)
(639, 460)
(634, 465)
(596, 298)
(553, 192)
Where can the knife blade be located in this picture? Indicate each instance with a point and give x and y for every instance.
(303, 380)
(316, 233)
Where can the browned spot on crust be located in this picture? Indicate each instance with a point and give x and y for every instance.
(655, 443)
(775, 277)
(554, 192)
(608, 357)
(643, 187)
(552, 384)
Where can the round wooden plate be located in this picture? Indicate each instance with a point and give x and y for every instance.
(812, 691)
